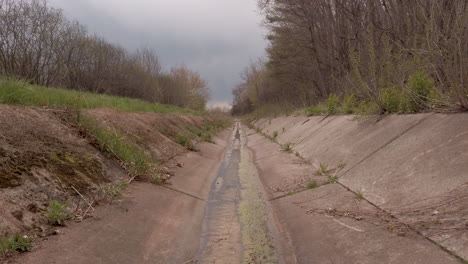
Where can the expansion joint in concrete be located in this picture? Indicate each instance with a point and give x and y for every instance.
(388, 143)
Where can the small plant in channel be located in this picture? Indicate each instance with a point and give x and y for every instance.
(312, 185)
(359, 195)
(322, 169)
(287, 147)
(333, 179)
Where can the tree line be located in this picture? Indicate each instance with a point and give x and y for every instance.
(39, 44)
(381, 56)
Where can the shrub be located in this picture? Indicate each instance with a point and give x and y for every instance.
(366, 108)
(332, 104)
(420, 85)
(349, 104)
(57, 213)
(391, 100)
(16, 242)
(313, 110)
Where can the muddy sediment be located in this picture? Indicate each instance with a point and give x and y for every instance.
(236, 228)
(256, 237)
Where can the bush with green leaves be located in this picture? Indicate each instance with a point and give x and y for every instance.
(57, 213)
(332, 104)
(16, 242)
(391, 100)
(420, 85)
(314, 110)
(349, 104)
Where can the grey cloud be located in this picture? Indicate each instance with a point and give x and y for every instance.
(215, 37)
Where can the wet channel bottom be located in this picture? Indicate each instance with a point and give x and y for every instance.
(235, 227)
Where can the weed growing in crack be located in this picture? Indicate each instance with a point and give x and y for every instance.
(322, 169)
(275, 134)
(57, 213)
(359, 195)
(312, 185)
(333, 179)
(341, 165)
(157, 179)
(287, 147)
(114, 190)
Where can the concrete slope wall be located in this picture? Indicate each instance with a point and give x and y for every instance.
(413, 166)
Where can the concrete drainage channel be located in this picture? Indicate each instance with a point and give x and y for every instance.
(236, 226)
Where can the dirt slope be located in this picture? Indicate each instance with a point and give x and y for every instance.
(44, 154)
(151, 224)
(41, 157)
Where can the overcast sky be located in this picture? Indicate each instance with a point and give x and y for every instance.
(217, 38)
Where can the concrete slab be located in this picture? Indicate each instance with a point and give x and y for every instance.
(152, 224)
(156, 225)
(414, 166)
(205, 163)
(333, 140)
(323, 227)
(418, 173)
(280, 171)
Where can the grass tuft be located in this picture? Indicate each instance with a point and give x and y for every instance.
(359, 195)
(312, 185)
(275, 134)
(287, 147)
(114, 190)
(322, 170)
(333, 179)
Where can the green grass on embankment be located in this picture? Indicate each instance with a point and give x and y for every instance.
(17, 92)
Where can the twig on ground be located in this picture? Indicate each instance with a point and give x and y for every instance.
(73, 187)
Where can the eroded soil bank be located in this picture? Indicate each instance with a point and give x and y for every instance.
(369, 190)
(46, 155)
(150, 224)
